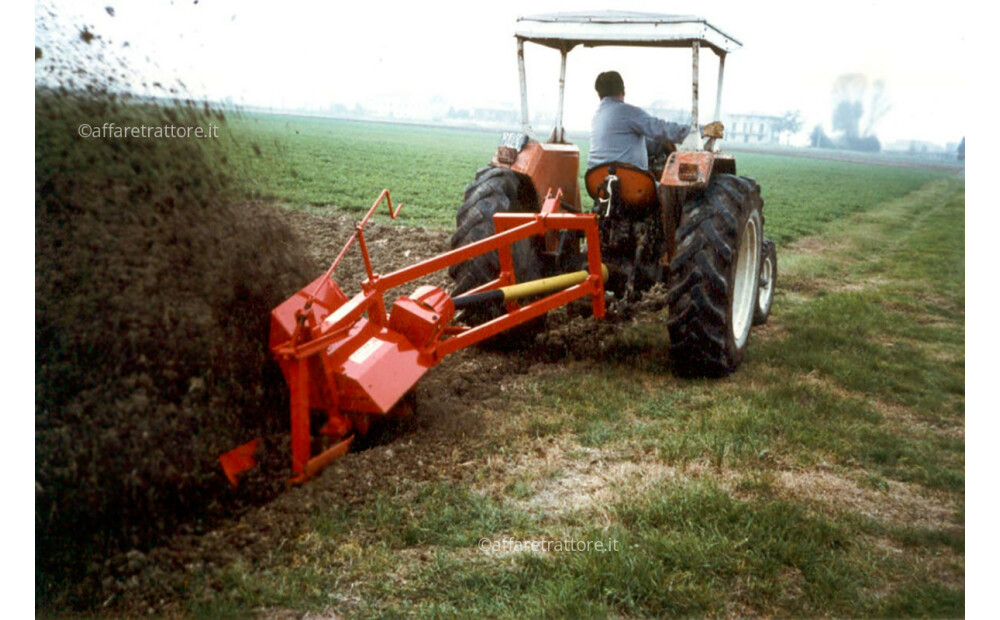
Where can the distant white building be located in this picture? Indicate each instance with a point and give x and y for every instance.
(739, 128)
(752, 128)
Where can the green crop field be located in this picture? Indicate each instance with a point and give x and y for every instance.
(825, 478)
(308, 162)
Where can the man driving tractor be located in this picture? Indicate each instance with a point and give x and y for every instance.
(622, 132)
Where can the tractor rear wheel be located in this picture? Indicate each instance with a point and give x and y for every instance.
(713, 277)
(494, 190)
(768, 278)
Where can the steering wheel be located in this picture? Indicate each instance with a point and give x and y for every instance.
(658, 159)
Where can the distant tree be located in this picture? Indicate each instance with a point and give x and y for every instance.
(848, 93)
(790, 123)
(858, 106)
(847, 118)
(961, 150)
(819, 139)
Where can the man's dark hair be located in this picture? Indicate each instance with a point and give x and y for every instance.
(609, 84)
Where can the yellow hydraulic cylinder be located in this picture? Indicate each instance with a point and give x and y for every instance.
(527, 289)
(548, 285)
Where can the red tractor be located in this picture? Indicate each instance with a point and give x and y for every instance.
(525, 245)
(689, 221)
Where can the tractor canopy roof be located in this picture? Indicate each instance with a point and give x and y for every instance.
(564, 31)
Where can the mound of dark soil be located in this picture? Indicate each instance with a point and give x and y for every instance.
(153, 292)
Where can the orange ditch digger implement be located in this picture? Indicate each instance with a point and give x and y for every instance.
(346, 360)
(686, 220)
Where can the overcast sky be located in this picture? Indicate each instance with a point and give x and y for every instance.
(315, 53)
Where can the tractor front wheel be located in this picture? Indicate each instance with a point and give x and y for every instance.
(768, 278)
(714, 277)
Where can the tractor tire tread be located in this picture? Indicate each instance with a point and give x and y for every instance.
(700, 273)
(494, 190)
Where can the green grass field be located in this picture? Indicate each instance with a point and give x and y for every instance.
(825, 478)
(307, 162)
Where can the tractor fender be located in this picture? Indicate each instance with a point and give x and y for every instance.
(694, 169)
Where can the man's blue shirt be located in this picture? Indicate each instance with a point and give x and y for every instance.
(619, 132)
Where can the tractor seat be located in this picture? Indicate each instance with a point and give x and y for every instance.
(638, 186)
